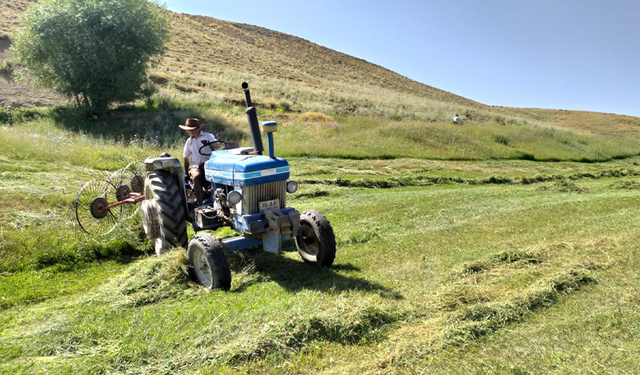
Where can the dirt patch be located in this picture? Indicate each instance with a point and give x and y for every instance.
(16, 96)
(19, 95)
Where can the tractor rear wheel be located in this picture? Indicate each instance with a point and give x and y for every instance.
(318, 245)
(208, 264)
(163, 212)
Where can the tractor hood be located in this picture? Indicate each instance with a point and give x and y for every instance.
(227, 168)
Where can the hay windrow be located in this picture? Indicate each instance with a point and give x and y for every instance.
(506, 257)
(151, 280)
(626, 185)
(363, 328)
(463, 323)
(563, 186)
(560, 183)
(481, 319)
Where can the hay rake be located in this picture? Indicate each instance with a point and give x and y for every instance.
(103, 203)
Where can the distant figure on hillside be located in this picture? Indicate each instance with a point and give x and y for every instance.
(456, 119)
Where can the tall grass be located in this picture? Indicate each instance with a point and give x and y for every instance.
(153, 125)
(360, 138)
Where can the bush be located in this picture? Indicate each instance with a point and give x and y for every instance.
(6, 116)
(285, 105)
(315, 117)
(94, 51)
(502, 139)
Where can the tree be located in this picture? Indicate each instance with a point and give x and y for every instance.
(96, 51)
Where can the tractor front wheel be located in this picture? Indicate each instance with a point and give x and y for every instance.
(318, 244)
(208, 264)
(163, 211)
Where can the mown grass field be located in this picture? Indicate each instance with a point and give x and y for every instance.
(499, 265)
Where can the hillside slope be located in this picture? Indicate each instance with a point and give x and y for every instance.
(246, 48)
(594, 122)
(212, 56)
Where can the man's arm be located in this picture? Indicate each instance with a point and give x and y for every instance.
(214, 144)
(186, 165)
(186, 155)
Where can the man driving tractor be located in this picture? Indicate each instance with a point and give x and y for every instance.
(193, 159)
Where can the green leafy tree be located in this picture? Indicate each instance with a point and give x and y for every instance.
(96, 51)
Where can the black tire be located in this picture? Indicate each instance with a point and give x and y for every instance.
(318, 245)
(164, 200)
(208, 263)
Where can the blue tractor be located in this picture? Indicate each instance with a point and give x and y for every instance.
(248, 194)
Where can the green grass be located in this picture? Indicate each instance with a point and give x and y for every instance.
(401, 293)
(441, 262)
(367, 138)
(138, 130)
(29, 287)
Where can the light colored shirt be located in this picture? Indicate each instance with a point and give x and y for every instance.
(456, 119)
(192, 147)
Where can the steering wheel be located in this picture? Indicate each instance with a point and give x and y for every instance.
(210, 145)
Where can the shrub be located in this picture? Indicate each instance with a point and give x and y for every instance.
(501, 139)
(6, 116)
(94, 51)
(285, 105)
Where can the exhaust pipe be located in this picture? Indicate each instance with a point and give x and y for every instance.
(252, 118)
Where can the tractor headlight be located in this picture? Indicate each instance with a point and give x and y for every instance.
(292, 186)
(234, 197)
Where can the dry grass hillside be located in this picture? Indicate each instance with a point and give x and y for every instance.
(211, 56)
(202, 45)
(594, 122)
(9, 12)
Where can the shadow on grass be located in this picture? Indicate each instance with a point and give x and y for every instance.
(156, 126)
(295, 275)
(127, 124)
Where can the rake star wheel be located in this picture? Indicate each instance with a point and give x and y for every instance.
(128, 180)
(91, 208)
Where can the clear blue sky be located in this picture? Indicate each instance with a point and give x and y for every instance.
(561, 54)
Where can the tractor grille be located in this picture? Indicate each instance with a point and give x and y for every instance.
(253, 195)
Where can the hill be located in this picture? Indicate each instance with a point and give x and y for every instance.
(208, 56)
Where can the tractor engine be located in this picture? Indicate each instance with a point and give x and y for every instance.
(250, 196)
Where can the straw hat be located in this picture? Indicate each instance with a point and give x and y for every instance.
(191, 124)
